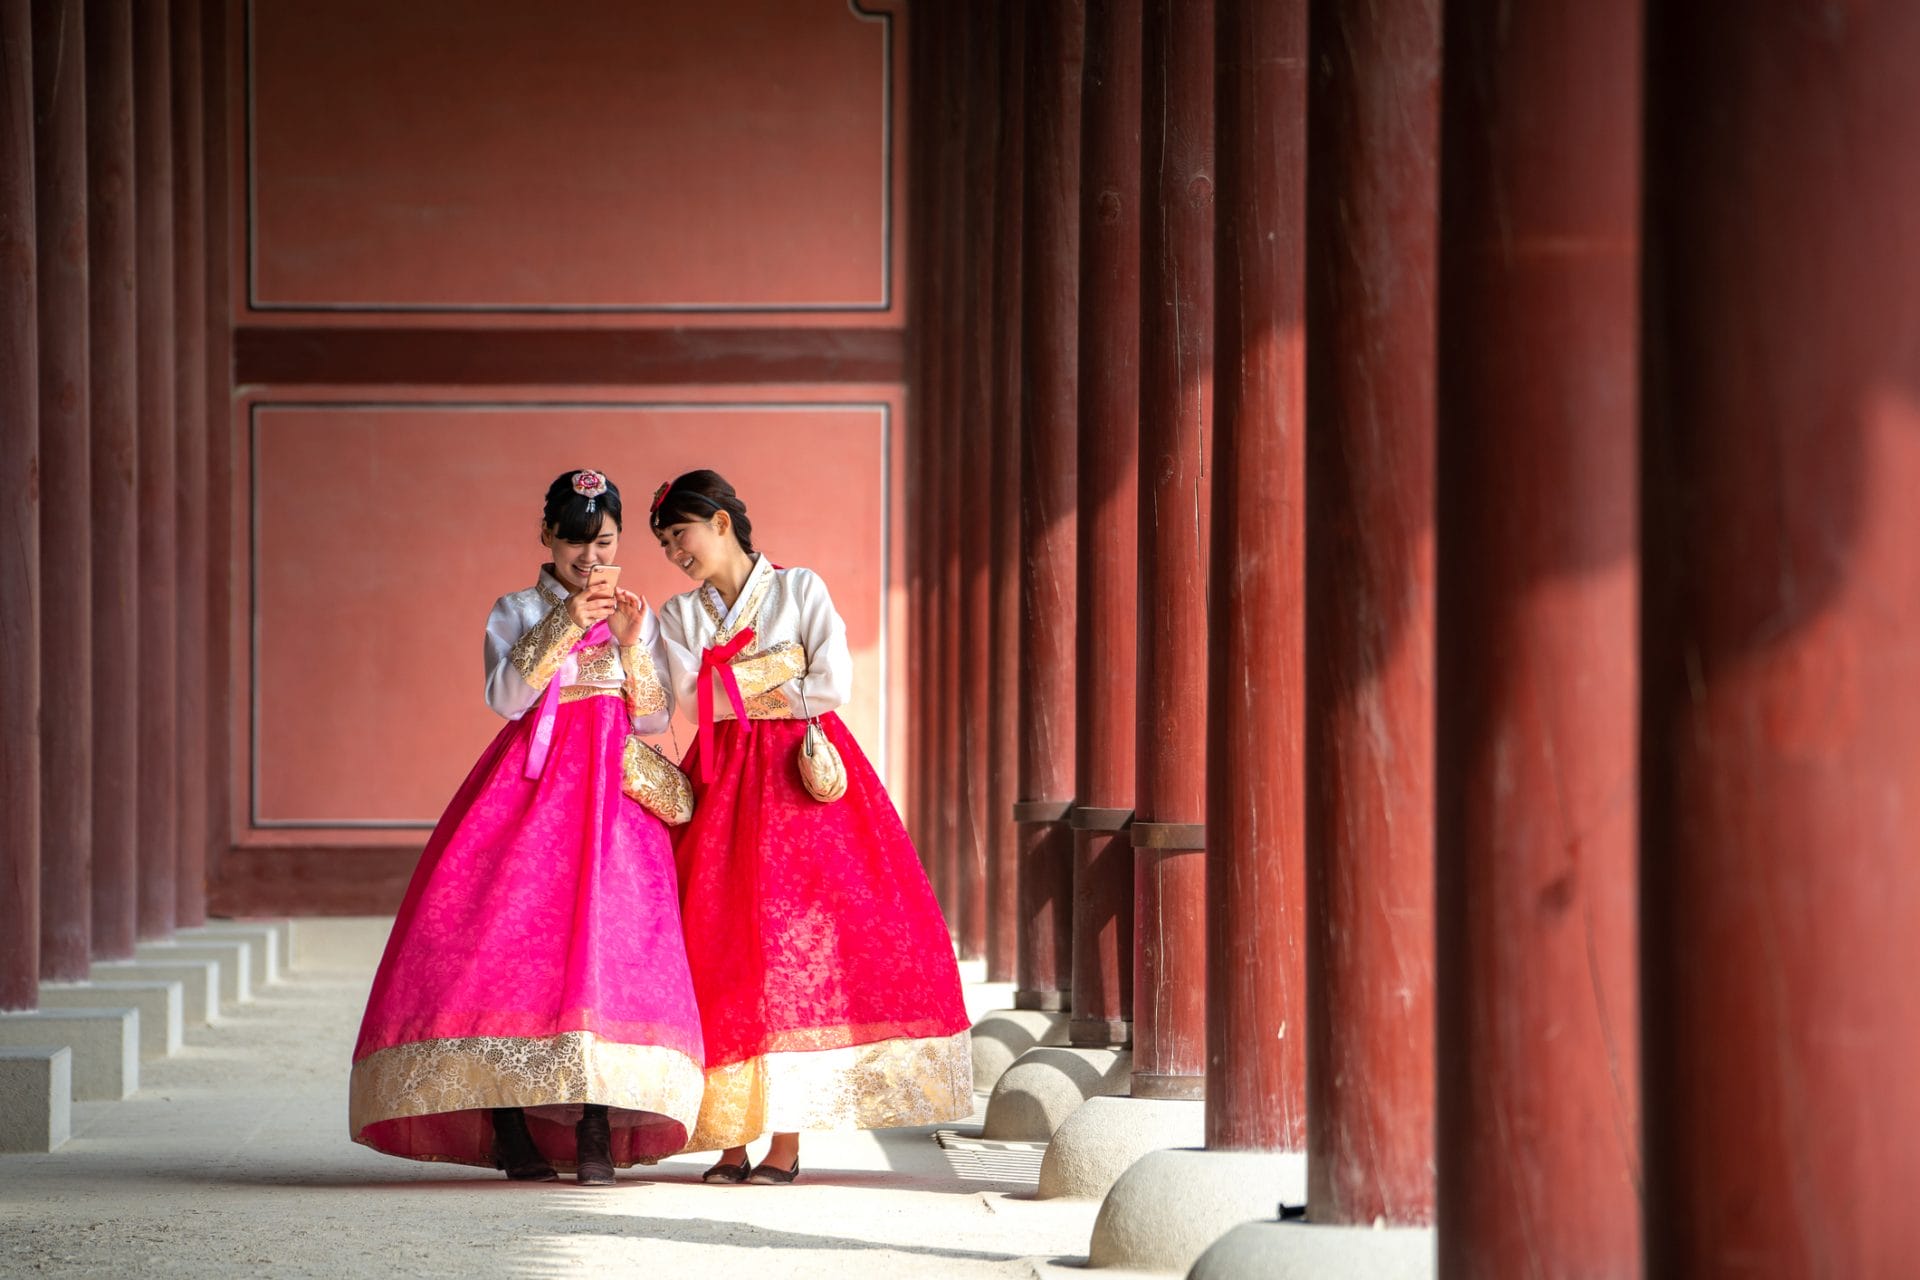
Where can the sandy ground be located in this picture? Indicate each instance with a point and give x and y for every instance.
(233, 1160)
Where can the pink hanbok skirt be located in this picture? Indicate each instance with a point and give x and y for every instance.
(536, 962)
(829, 995)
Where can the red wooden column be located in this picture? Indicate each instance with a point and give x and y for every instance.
(1176, 428)
(1256, 930)
(1050, 254)
(155, 626)
(1373, 214)
(973, 475)
(66, 630)
(1107, 573)
(114, 509)
(1779, 886)
(190, 417)
(19, 526)
(1536, 630)
(951, 227)
(1000, 833)
(218, 376)
(920, 338)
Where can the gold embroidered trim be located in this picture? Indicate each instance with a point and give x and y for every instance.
(886, 1085)
(581, 692)
(430, 1077)
(646, 695)
(756, 597)
(771, 705)
(599, 664)
(539, 653)
(769, 669)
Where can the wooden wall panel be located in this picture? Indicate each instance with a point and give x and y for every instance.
(382, 533)
(662, 157)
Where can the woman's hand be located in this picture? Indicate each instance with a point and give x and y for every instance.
(590, 605)
(628, 612)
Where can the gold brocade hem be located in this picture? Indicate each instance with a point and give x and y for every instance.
(886, 1085)
(431, 1077)
(539, 653)
(581, 692)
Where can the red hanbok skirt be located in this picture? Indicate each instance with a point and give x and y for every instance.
(829, 996)
(536, 962)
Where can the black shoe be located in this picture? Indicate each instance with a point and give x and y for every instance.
(513, 1150)
(768, 1175)
(735, 1173)
(593, 1145)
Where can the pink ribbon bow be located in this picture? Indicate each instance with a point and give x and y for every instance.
(718, 660)
(598, 633)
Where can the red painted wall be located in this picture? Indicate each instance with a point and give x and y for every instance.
(444, 217)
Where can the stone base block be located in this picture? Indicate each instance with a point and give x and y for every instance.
(1165, 1210)
(199, 983)
(36, 1098)
(234, 956)
(1046, 1085)
(982, 998)
(1105, 1136)
(105, 1044)
(1003, 1035)
(265, 937)
(162, 1007)
(1304, 1251)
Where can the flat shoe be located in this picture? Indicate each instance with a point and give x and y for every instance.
(768, 1175)
(734, 1173)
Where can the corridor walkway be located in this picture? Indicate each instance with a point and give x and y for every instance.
(233, 1160)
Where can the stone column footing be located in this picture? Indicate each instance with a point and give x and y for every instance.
(105, 1045)
(161, 1004)
(1000, 1037)
(36, 1098)
(1049, 1000)
(266, 938)
(1100, 1033)
(1309, 1251)
(234, 956)
(1048, 1084)
(199, 983)
(1105, 1136)
(1164, 1211)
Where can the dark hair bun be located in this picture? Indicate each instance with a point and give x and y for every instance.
(579, 503)
(697, 495)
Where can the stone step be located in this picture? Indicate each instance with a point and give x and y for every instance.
(105, 1044)
(199, 983)
(266, 937)
(234, 956)
(162, 1006)
(36, 1098)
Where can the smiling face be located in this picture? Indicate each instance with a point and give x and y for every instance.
(573, 560)
(698, 548)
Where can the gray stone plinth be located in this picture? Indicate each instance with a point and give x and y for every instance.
(1038, 1092)
(1303, 1251)
(233, 955)
(1169, 1206)
(1003, 1035)
(1104, 1137)
(265, 937)
(36, 1098)
(161, 1004)
(105, 1044)
(199, 983)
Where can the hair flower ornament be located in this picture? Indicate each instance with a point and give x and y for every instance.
(659, 496)
(589, 485)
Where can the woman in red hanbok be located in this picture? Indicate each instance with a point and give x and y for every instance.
(829, 996)
(534, 1007)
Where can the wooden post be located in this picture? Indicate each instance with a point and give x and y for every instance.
(1049, 352)
(1107, 573)
(1256, 725)
(1779, 887)
(1536, 630)
(66, 481)
(1373, 217)
(1176, 428)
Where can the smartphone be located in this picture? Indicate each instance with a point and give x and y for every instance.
(603, 575)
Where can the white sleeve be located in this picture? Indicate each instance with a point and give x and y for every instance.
(682, 664)
(649, 691)
(508, 693)
(828, 681)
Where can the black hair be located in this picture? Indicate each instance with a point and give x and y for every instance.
(576, 517)
(696, 496)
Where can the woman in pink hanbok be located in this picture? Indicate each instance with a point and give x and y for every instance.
(534, 1007)
(829, 996)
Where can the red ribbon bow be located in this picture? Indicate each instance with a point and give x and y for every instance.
(718, 660)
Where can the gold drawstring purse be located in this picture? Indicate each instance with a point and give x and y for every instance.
(822, 772)
(646, 775)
